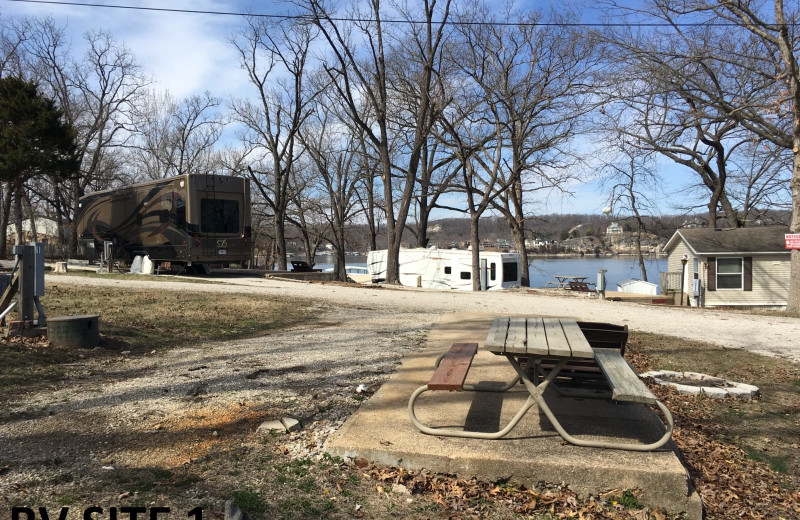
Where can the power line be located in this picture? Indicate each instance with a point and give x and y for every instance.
(312, 18)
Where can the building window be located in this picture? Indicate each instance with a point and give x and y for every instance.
(730, 273)
(466, 275)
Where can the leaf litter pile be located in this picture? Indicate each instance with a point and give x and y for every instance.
(477, 499)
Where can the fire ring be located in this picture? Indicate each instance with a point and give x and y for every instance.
(696, 383)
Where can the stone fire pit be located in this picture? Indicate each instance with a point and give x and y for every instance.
(697, 383)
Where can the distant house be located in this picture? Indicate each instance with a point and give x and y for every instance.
(46, 229)
(745, 267)
(614, 229)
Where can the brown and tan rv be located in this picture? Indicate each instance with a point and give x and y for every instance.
(194, 220)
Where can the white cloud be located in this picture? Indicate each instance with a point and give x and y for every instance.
(183, 53)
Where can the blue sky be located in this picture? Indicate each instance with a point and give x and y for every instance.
(190, 53)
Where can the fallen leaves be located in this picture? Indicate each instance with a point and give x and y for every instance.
(462, 498)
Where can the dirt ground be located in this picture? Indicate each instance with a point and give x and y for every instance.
(177, 425)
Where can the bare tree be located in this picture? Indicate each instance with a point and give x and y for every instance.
(760, 179)
(362, 83)
(176, 138)
(781, 40)
(333, 151)
(632, 177)
(536, 80)
(750, 75)
(275, 57)
(652, 100)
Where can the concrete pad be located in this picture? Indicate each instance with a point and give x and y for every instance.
(533, 452)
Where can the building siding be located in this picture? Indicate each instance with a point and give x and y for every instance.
(770, 278)
(770, 283)
(674, 264)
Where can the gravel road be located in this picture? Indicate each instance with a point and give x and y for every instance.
(763, 334)
(114, 415)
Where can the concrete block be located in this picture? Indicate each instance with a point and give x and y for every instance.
(686, 389)
(268, 426)
(291, 424)
(381, 432)
(719, 393)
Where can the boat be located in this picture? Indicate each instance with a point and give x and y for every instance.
(448, 268)
(355, 273)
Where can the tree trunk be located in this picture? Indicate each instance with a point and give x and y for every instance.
(475, 241)
(793, 300)
(32, 217)
(4, 219)
(639, 252)
(394, 236)
(72, 242)
(18, 212)
(518, 236)
(373, 231)
(422, 226)
(280, 240)
(339, 258)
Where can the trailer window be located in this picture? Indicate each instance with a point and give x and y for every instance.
(510, 271)
(447, 270)
(180, 214)
(219, 216)
(493, 271)
(466, 275)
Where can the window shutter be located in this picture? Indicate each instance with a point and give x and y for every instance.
(712, 274)
(747, 267)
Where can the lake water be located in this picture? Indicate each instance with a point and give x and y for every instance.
(543, 270)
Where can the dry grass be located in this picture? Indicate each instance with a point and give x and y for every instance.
(141, 319)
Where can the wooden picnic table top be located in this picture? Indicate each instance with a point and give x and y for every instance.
(563, 278)
(538, 337)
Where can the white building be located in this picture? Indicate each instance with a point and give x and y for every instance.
(614, 229)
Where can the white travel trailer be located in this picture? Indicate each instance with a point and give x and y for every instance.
(447, 268)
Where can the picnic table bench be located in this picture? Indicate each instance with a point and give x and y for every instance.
(301, 266)
(539, 349)
(563, 281)
(581, 287)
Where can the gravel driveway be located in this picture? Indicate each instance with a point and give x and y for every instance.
(763, 334)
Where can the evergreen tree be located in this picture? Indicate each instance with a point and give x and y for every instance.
(34, 140)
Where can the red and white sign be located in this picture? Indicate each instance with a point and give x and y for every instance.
(792, 241)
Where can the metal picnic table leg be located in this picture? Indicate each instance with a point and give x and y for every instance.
(536, 392)
(529, 403)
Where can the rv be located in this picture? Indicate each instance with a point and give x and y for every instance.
(194, 220)
(447, 268)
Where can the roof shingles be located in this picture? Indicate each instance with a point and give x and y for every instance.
(765, 239)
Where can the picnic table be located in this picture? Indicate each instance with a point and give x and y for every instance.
(538, 349)
(563, 280)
